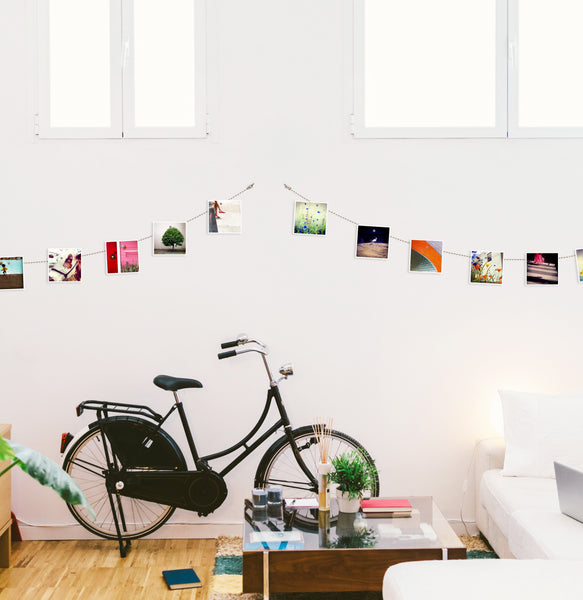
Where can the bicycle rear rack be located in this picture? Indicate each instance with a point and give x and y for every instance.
(119, 408)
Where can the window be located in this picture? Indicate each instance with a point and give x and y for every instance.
(122, 68)
(467, 68)
(546, 56)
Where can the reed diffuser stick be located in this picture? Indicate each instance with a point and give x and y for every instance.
(323, 431)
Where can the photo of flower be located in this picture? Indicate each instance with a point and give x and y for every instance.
(64, 264)
(310, 218)
(486, 267)
(122, 257)
(542, 268)
(11, 275)
(579, 258)
(372, 242)
(169, 238)
(426, 256)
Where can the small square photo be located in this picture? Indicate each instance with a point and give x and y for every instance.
(310, 218)
(486, 267)
(225, 217)
(542, 268)
(64, 264)
(579, 256)
(372, 242)
(169, 238)
(122, 257)
(426, 256)
(11, 274)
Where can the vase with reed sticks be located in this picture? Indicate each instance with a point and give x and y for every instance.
(323, 430)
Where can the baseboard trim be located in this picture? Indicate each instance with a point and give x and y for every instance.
(179, 531)
(168, 531)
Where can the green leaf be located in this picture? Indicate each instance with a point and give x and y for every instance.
(6, 452)
(49, 474)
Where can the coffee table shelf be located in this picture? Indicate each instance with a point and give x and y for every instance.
(320, 564)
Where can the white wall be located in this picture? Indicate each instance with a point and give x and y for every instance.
(407, 363)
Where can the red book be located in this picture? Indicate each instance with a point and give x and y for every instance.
(386, 505)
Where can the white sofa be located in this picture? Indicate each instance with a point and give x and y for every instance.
(484, 580)
(520, 516)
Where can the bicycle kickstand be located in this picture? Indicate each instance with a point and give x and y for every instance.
(124, 544)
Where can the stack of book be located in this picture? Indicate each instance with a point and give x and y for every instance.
(386, 507)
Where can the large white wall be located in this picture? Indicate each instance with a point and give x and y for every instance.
(408, 363)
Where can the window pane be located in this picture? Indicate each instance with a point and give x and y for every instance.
(164, 63)
(79, 63)
(429, 63)
(550, 58)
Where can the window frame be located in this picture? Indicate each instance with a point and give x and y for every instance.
(121, 81)
(359, 128)
(514, 130)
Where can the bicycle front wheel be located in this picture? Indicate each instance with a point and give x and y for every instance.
(86, 463)
(280, 467)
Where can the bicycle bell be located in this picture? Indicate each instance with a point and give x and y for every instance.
(286, 370)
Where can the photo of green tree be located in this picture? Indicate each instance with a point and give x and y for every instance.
(169, 238)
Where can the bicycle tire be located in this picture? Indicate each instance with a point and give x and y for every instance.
(279, 466)
(85, 462)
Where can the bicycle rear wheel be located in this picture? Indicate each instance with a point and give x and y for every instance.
(86, 463)
(279, 466)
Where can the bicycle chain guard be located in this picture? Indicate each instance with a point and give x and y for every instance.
(200, 491)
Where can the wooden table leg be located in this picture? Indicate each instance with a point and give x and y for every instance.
(5, 547)
(266, 574)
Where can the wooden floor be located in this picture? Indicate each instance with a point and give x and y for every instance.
(93, 570)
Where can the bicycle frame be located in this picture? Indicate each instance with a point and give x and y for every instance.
(202, 462)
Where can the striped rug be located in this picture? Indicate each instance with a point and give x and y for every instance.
(227, 580)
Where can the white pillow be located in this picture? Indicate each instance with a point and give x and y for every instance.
(539, 429)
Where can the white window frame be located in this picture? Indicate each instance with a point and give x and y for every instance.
(514, 130)
(507, 65)
(360, 130)
(121, 81)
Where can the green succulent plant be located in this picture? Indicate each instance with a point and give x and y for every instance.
(44, 470)
(352, 473)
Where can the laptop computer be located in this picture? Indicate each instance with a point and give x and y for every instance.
(570, 490)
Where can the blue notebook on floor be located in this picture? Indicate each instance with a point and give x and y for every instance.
(181, 579)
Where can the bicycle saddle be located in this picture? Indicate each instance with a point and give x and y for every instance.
(173, 384)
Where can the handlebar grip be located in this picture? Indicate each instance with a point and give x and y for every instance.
(230, 344)
(227, 354)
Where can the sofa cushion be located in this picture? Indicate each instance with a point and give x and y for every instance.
(484, 580)
(501, 496)
(545, 534)
(540, 428)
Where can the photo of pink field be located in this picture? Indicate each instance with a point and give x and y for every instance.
(128, 257)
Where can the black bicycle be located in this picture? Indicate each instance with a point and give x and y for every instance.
(135, 475)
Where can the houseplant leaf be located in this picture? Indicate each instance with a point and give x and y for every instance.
(49, 474)
(6, 452)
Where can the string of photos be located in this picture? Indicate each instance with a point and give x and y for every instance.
(426, 256)
(122, 256)
(310, 218)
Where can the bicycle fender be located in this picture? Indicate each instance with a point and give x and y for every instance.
(75, 437)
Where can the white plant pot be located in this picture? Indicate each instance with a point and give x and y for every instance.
(346, 505)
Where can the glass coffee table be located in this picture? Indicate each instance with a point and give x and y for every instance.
(340, 552)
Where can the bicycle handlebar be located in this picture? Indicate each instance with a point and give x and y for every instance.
(227, 354)
(230, 344)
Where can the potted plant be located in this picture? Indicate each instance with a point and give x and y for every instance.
(352, 473)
